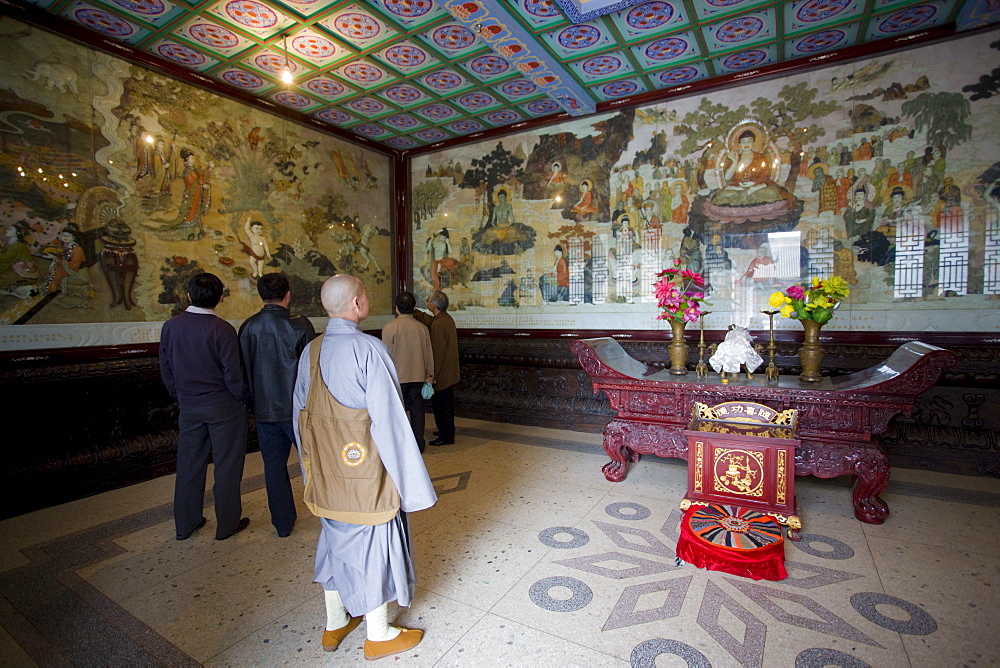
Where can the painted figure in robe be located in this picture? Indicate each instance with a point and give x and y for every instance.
(679, 204)
(502, 234)
(585, 208)
(859, 217)
(439, 248)
(197, 192)
(747, 171)
(826, 186)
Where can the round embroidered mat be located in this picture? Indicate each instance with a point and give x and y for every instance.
(733, 527)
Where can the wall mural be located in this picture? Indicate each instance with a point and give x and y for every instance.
(885, 172)
(117, 185)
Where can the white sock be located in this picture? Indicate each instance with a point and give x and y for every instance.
(378, 624)
(336, 614)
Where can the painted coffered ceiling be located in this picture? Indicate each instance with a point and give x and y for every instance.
(409, 73)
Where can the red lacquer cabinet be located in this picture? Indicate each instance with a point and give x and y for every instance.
(739, 457)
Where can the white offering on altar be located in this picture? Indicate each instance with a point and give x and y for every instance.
(735, 351)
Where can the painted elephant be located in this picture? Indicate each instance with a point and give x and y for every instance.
(54, 75)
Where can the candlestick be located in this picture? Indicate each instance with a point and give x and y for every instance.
(701, 369)
(771, 373)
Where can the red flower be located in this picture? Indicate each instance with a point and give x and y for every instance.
(693, 276)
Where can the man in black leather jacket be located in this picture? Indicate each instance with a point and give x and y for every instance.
(271, 341)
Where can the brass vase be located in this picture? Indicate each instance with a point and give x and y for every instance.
(678, 349)
(811, 352)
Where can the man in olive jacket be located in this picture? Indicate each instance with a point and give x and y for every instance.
(271, 342)
(409, 345)
(444, 342)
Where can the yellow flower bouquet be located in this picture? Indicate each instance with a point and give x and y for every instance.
(812, 302)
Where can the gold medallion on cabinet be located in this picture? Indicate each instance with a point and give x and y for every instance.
(739, 472)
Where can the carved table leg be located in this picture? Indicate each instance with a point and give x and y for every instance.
(621, 454)
(866, 461)
(871, 477)
(795, 523)
(617, 468)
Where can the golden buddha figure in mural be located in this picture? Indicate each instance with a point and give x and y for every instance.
(747, 170)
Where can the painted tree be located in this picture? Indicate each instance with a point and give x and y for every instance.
(334, 204)
(496, 167)
(318, 219)
(314, 222)
(943, 115)
(427, 197)
(786, 117)
(654, 154)
(173, 104)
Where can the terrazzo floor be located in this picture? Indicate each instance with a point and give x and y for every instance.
(530, 558)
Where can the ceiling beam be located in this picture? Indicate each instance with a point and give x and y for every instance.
(498, 28)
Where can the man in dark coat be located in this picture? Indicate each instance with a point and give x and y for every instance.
(200, 366)
(444, 343)
(272, 341)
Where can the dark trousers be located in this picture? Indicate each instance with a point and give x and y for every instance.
(219, 432)
(443, 403)
(414, 402)
(276, 440)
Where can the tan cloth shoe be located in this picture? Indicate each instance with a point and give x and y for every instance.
(407, 639)
(332, 639)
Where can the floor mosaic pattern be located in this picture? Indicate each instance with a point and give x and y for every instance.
(530, 558)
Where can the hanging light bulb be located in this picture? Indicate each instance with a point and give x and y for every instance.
(286, 71)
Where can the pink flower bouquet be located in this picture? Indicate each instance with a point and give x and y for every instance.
(679, 294)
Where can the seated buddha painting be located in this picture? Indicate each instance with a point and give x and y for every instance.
(747, 170)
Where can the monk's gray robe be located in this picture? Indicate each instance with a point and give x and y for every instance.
(368, 565)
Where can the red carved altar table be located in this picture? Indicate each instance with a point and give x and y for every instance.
(837, 416)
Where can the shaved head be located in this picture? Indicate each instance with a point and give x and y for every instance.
(338, 295)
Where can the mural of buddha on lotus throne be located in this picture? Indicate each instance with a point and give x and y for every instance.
(747, 172)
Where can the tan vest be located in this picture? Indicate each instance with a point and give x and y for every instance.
(345, 478)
